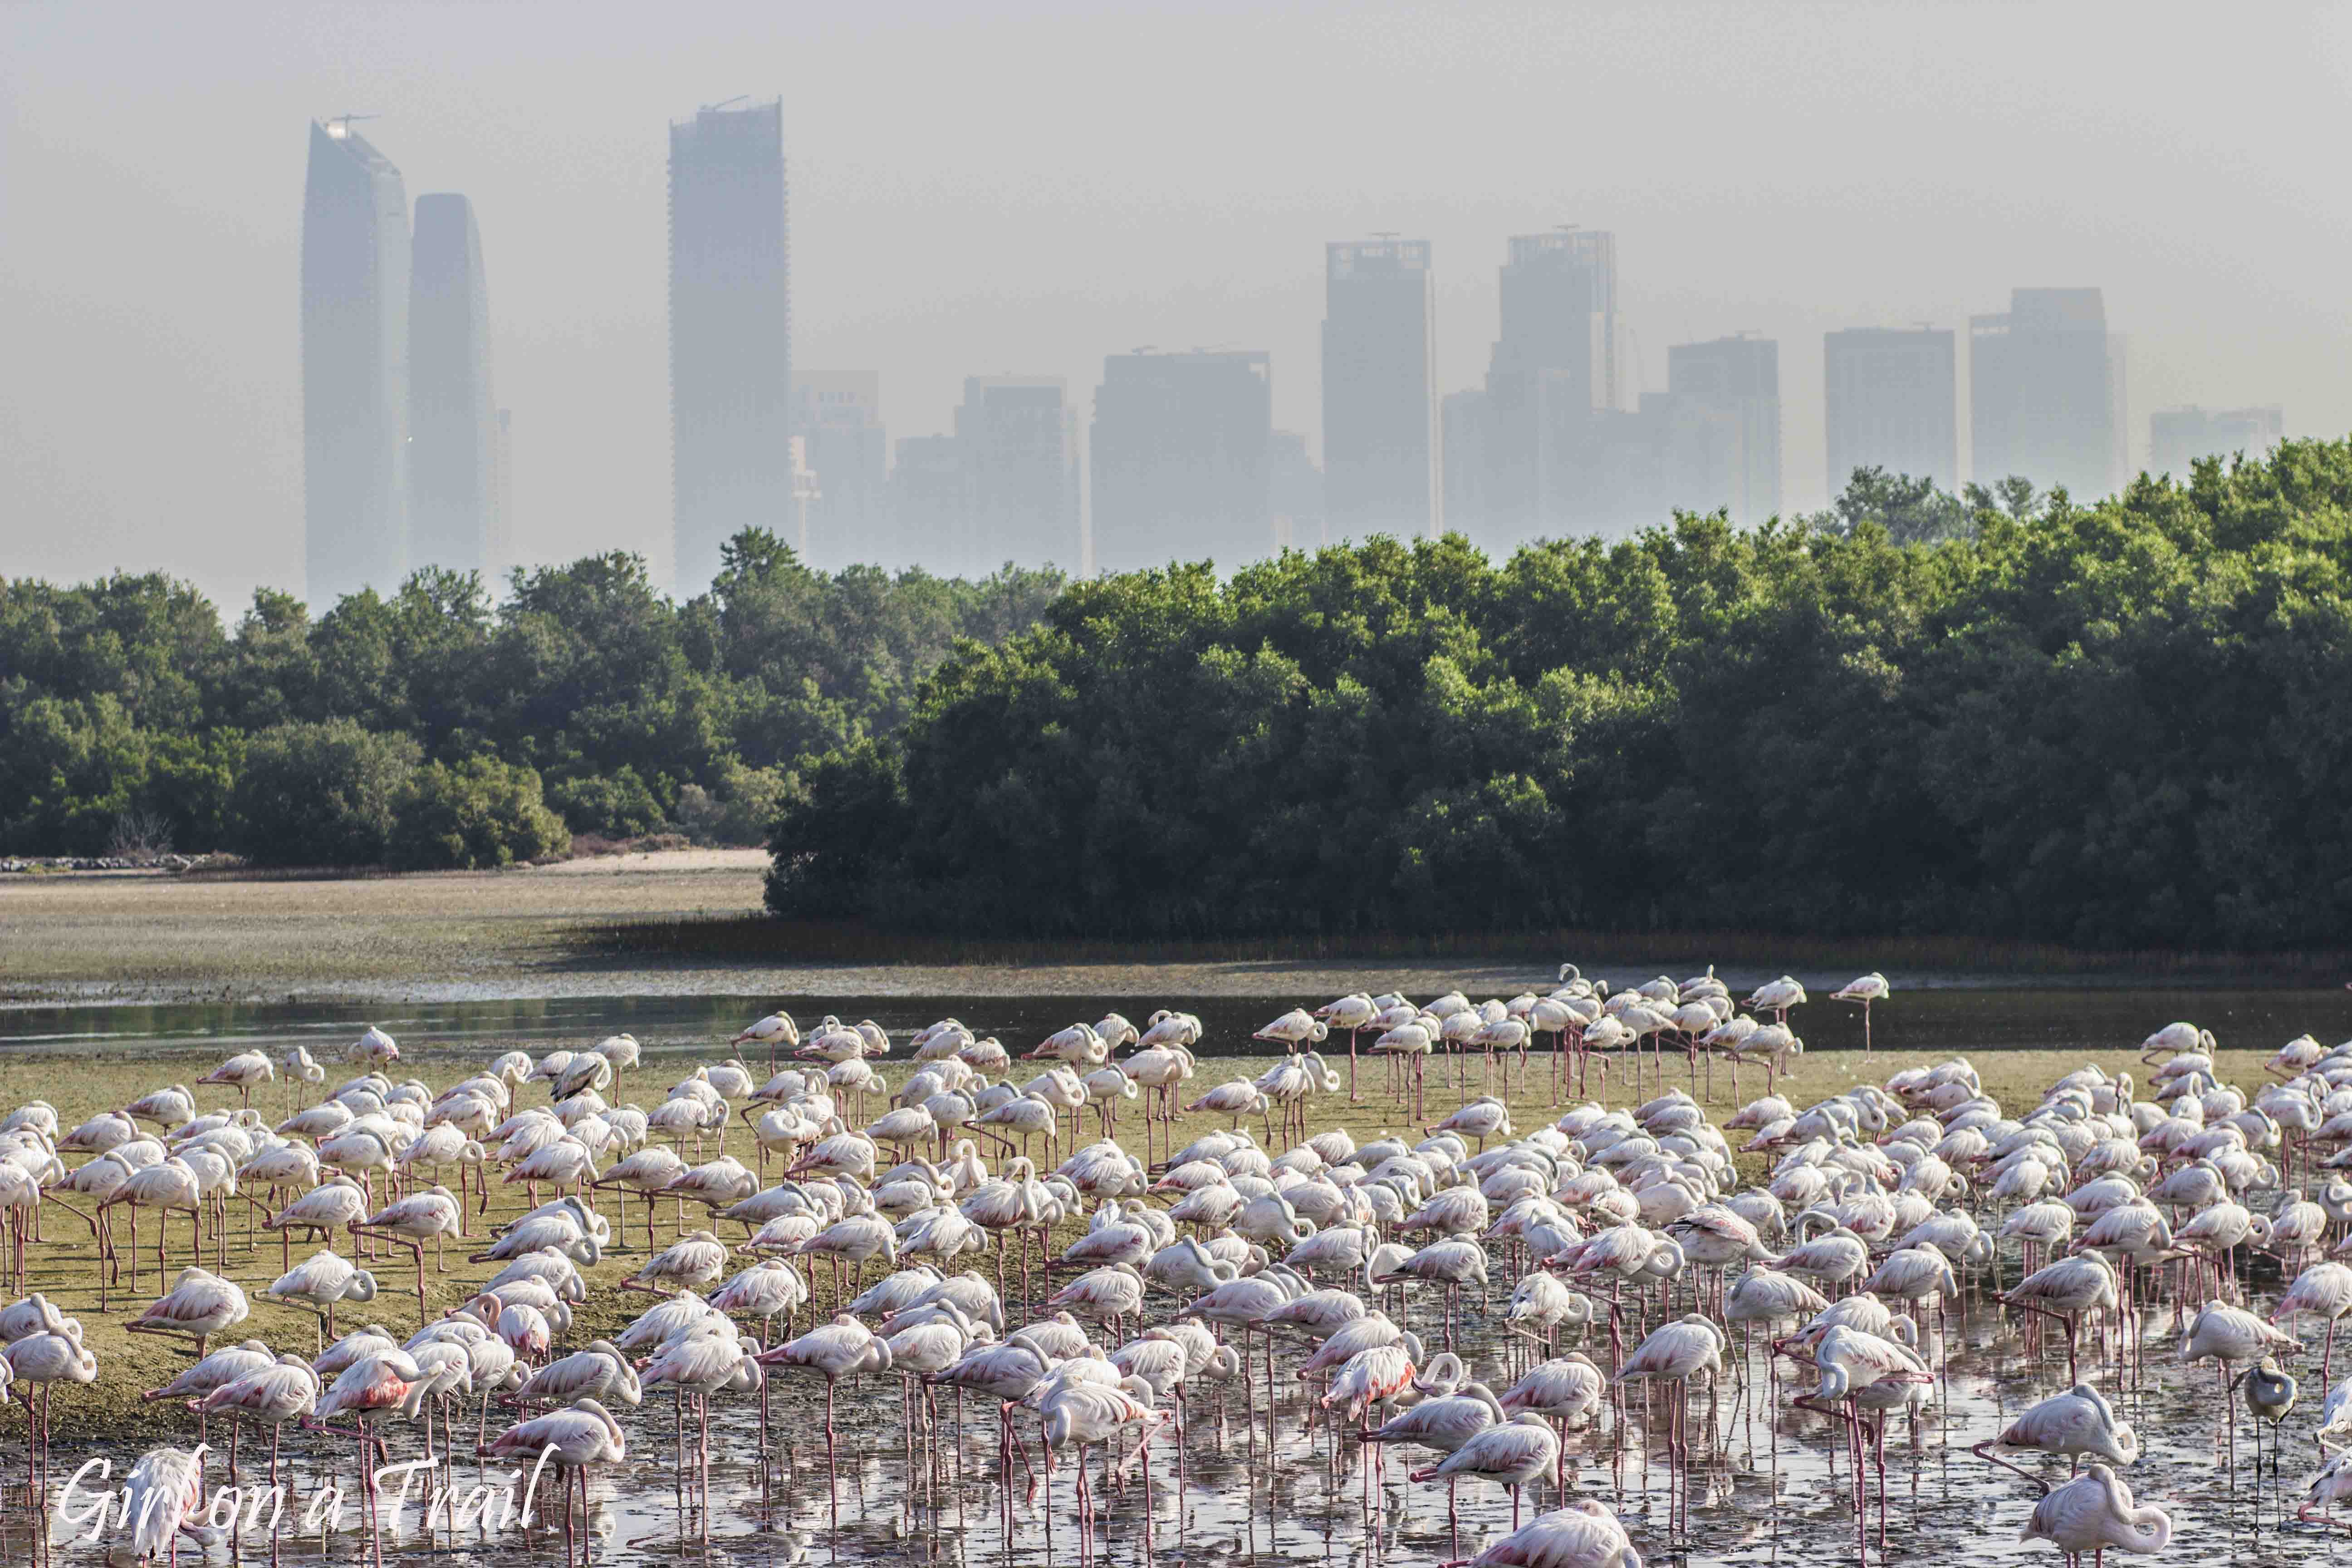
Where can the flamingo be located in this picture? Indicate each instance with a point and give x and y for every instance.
(1856, 1365)
(2095, 1512)
(690, 1263)
(1676, 1353)
(320, 1282)
(159, 1501)
(1510, 1455)
(2325, 1289)
(199, 1305)
(170, 1184)
(1353, 1012)
(1082, 1414)
(270, 1395)
(1568, 1389)
(776, 1029)
(581, 1434)
(842, 1347)
(701, 1365)
(2074, 1424)
(242, 1072)
(1445, 1424)
(1871, 987)
(374, 1047)
(1582, 1535)
(432, 1215)
(42, 1359)
(2066, 1290)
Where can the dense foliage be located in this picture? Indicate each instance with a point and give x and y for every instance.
(2127, 723)
(435, 727)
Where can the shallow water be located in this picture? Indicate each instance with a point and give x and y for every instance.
(1947, 1018)
(1770, 1482)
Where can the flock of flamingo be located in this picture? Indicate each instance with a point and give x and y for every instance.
(1361, 1281)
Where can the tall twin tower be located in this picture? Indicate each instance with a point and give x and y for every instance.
(403, 445)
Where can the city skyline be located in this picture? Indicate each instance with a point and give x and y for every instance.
(1187, 454)
(1066, 217)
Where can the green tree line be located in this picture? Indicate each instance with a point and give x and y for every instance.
(2010, 714)
(435, 726)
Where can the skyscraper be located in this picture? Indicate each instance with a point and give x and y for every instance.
(1554, 366)
(354, 367)
(926, 499)
(2045, 393)
(2177, 437)
(1379, 405)
(840, 421)
(453, 420)
(1180, 450)
(1891, 403)
(1295, 491)
(731, 370)
(1729, 389)
(1018, 439)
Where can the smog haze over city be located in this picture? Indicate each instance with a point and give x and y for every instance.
(1025, 190)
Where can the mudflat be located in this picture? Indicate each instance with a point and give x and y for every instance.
(536, 932)
(165, 938)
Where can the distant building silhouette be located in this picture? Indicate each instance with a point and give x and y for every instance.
(1552, 374)
(2046, 393)
(927, 500)
(355, 350)
(1464, 421)
(1891, 401)
(731, 371)
(1295, 489)
(504, 555)
(2177, 437)
(1019, 444)
(1379, 402)
(839, 417)
(1181, 451)
(453, 419)
(1727, 434)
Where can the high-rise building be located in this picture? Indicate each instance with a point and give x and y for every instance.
(1736, 384)
(2177, 437)
(1379, 409)
(1465, 420)
(1554, 366)
(1180, 451)
(504, 556)
(354, 367)
(453, 420)
(1018, 439)
(2045, 393)
(1295, 488)
(1891, 403)
(730, 333)
(840, 422)
(926, 500)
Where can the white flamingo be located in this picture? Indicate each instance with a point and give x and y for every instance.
(581, 1434)
(2095, 1512)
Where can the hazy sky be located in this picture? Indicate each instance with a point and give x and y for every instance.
(1023, 187)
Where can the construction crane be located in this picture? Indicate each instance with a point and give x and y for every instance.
(340, 125)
